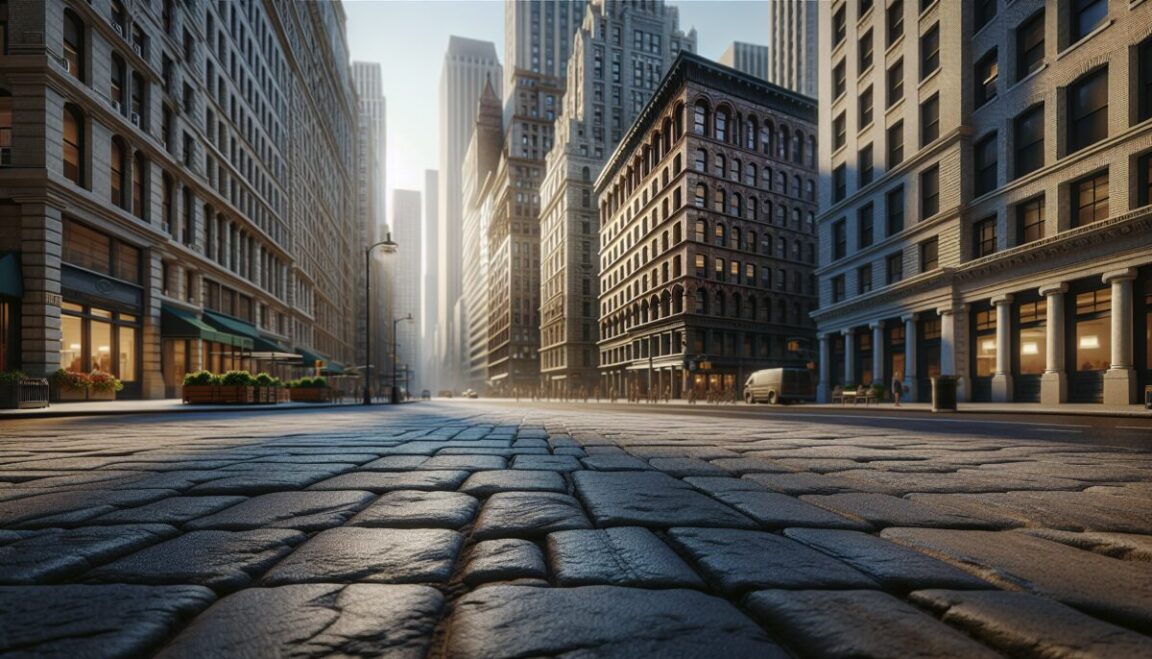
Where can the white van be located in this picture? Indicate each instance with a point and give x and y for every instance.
(780, 385)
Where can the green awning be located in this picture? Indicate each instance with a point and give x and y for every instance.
(11, 282)
(334, 368)
(180, 324)
(308, 360)
(239, 327)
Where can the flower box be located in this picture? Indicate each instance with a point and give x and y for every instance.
(268, 395)
(236, 394)
(201, 394)
(67, 394)
(101, 394)
(310, 394)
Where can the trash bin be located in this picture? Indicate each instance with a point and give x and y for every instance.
(1148, 396)
(944, 393)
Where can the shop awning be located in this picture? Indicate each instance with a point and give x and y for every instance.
(180, 324)
(11, 282)
(308, 360)
(334, 368)
(241, 328)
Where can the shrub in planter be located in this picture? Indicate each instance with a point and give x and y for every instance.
(265, 388)
(310, 390)
(201, 387)
(69, 385)
(237, 387)
(103, 385)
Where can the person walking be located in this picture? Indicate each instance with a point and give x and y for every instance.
(897, 388)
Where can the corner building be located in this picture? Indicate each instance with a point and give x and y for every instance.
(987, 208)
(707, 239)
(178, 189)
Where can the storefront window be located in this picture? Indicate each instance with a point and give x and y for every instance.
(985, 351)
(1093, 330)
(1033, 339)
(864, 356)
(7, 330)
(99, 339)
(71, 344)
(101, 346)
(896, 347)
(127, 352)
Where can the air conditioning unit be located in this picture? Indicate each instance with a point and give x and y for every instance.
(115, 104)
(136, 118)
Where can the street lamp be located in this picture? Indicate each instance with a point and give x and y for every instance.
(389, 247)
(395, 349)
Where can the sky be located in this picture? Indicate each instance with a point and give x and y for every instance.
(409, 37)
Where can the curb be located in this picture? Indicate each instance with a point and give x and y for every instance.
(183, 409)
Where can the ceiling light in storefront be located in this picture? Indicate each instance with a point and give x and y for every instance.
(103, 349)
(988, 345)
(1089, 342)
(1030, 348)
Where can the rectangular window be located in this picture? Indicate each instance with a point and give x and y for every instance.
(1093, 338)
(1030, 220)
(1088, 110)
(984, 237)
(864, 279)
(1030, 46)
(930, 120)
(930, 192)
(865, 51)
(895, 21)
(865, 231)
(895, 267)
(839, 25)
(839, 240)
(87, 248)
(896, 144)
(865, 165)
(1144, 180)
(1090, 199)
(1086, 15)
(985, 163)
(985, 11)
(838, 288)
(701, 266)
(1029, 139)
(1033, 342)
(1144, 77)
(839, 131)
(839, 79)
(896, 82)
(987, 73)
(894, 209)
(930, 254)
(865, 107)
(839, 183)
(930, 51)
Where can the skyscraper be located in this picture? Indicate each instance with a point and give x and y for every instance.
(620, 55)
(468, 66)
(538, 39)
(792, 49)
(404, 285)
(429, 250)
(747, 58)
(371, 201)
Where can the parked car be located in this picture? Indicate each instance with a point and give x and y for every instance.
(469, 393)
(780, 385)
(425, 395)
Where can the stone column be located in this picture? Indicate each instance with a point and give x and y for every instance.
(41, 245)
(151, 361)
(947, 340)
(878, 354)
(1054, 382)
(824, 388)
(1120, 378)
(849, 356)
(1002, 376)
(910, 356)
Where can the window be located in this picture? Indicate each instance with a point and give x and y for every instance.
(701, 160)
(1029, 139)
(73, 153)
(1032, 321)
(1030, 46)
(700, 119)
(1144, 76)
(721, 165)
(701, 233)
(1144, 180)
(930, 51)
(987, 71)
(865, 51)
(1085, 16)
(984, 341)
(720, 235)
(1088, 110)
(839, 80)
(930, 120)
(89, 249)
(865, 165)
(719, 200)
(930, 254)
(896, 144)
(116, 163)
(1093, 339)
(866, 107)
(894, 207)
(985, 11)
(839, 240)
(839, 183)
(895, 21)
(839, 25)
(930, 192)
(701, 195)
(701, 266)
(896, 82)
(864, 279)
(865, 231)
(1030, 220)
(984, 237)
(139, 174)
(838, 288)
(721, 127)
(117, 80)
(839, 131)
(984, 155)
(1090, 199)
(74, 44)
(895, 267)
(718, 268)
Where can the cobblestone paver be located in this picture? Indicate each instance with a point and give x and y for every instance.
(469, 530)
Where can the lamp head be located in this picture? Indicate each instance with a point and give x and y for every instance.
(388, 246)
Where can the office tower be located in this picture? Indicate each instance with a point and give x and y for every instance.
(538, 38)
(429, 249)
(792, 39)
(371, 202)
(620, 55)
(468, 66)
(988, 216)
(405, 285)
(707, 236)
(747, 58)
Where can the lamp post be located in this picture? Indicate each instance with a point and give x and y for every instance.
(389, 247)
(395, 398)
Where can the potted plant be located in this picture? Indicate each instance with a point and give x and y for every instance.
(310, 390)
(265, 388)
(237, 387)
(201, 388)
(18, 391)
(69, 386)
(103, 385)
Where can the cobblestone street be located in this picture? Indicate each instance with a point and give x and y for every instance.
(468, 529)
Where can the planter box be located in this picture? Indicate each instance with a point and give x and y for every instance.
(101, 395)
(310, 394)
(236, 394)
(26, 394)
(66, 395)
(283, 395)
(200, 394)
(268, 395)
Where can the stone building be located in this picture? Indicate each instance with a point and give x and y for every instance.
(619, 56)
(178, 188)
(986, 213)
(707, 240)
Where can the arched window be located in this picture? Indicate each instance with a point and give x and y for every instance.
(586, 175)
(139, 102)
(750, 274)
(116, 163)
(811, 151)
(721, 306)
(700, 118)
(74, 154)
(782, 183)
(768, 211)
(665, 272)
(782, 215)
(664, 241)
(678, 113)
(720, 235)
(117, 78)
(751, 308)
(139, 178)
(796, 186)
(701, 195)
(702, 161)
(810, 190)
(676, 267)
(721, 126)
(768, 304)
(735, 207)
(736, 170)
(718, 268)
(74, 44)
(719, 199)
(782, 248)
(750, 174)
(721, 165)
(677, 302)
(752, 203)
(735, 241)
(751, 243)
(798, 148)
(677, 234)
(701, 231)
(750, 133)
(766, 137)
(784, 140)
(166, 210)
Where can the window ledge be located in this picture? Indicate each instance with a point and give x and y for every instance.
(927, 79)
(894, 46)
(1026, 78)
(866, 72)
(1087, 37)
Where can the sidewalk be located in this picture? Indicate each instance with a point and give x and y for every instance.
(1089, 409)
(161, 406)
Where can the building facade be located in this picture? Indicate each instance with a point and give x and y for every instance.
(429, 249)
(707, 239)
(988, 209)
(404, 288)
(537, 40)
(371, 201)
(792, 38)
(180, 189)
(747, 58)
(620, 55)
(468, 66)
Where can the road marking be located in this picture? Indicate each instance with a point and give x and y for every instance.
(1058, 430)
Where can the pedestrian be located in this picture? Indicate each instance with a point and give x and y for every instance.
(692, 395)
(897, 388)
